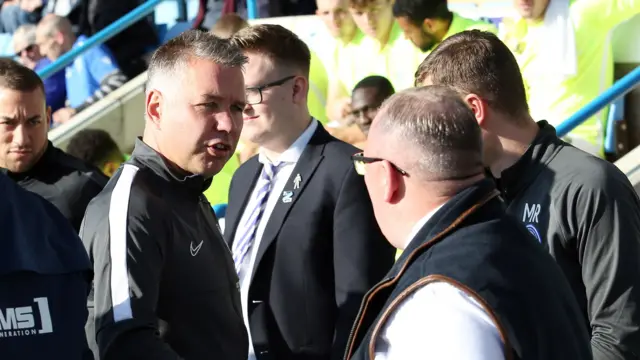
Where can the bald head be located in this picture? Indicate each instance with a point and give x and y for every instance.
(52, 23)
(432, 132)
(55, 36)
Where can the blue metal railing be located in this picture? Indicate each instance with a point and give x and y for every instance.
(619, 89)
(616, 114)
(101, 36)
(117, 26)
(252, 9)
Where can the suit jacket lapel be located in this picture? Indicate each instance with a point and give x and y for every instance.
(243, 188)
(297, 182)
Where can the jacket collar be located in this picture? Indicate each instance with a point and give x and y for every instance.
(147, 156)
(38, 168)
(469, 199)
(542, 150)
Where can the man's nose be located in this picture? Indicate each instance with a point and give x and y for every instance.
(336, 19)
(371, 19)
(225, 122)
(248, 110)
(20, 136)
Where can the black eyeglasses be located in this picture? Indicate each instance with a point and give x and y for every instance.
(359, 162)
(28, 49)
(254, 94)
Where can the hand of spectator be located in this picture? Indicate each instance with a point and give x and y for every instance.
(63, 115)
(8, 2)
(340, 110)
(30, 5)
(349, 134)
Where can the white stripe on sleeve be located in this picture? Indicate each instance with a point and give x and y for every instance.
(118, 211)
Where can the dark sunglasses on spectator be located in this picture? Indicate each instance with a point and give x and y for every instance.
(28, 48)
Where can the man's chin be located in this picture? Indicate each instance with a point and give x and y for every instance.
(20, 166)
(213, 167)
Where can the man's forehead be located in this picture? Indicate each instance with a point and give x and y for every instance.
(331, 4)
(368, 94)
(261, 70)
(368, 5)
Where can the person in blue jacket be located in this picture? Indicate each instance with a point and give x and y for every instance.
(45, 277)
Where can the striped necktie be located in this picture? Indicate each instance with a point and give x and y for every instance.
(255, 207)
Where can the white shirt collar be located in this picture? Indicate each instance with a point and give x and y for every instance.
(419, 225)
(293, 153)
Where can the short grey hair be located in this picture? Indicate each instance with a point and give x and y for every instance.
(443, 135)
(26, 33)
(176, 53)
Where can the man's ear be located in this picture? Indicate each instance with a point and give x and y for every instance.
(153, 106)
(300, 90)
(59, 37)
(428, 25)
(479, 108)
(390, 182)
(48, 112)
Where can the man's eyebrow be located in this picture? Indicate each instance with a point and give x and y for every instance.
(211, 97)
(361, 107)
(10, 118)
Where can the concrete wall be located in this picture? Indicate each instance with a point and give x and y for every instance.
(121, 113)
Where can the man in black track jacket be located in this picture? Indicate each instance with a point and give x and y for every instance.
(28, 158)
(581, 208)
(165, 286)
(67, 182)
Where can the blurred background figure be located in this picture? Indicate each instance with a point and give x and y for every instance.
(564, 50)
(427, 22)
(28, 54)
(97, 148)
(15, 13)
(343, 34)
(228, 24)
(366, 99)
(132, 47)
(92, 76)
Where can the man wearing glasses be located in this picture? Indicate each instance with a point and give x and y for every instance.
(462, 288)
(299, 223)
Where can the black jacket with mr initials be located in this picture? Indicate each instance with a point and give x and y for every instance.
(586, 213)
(165, 286)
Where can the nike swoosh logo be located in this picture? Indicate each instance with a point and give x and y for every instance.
(195, 250)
